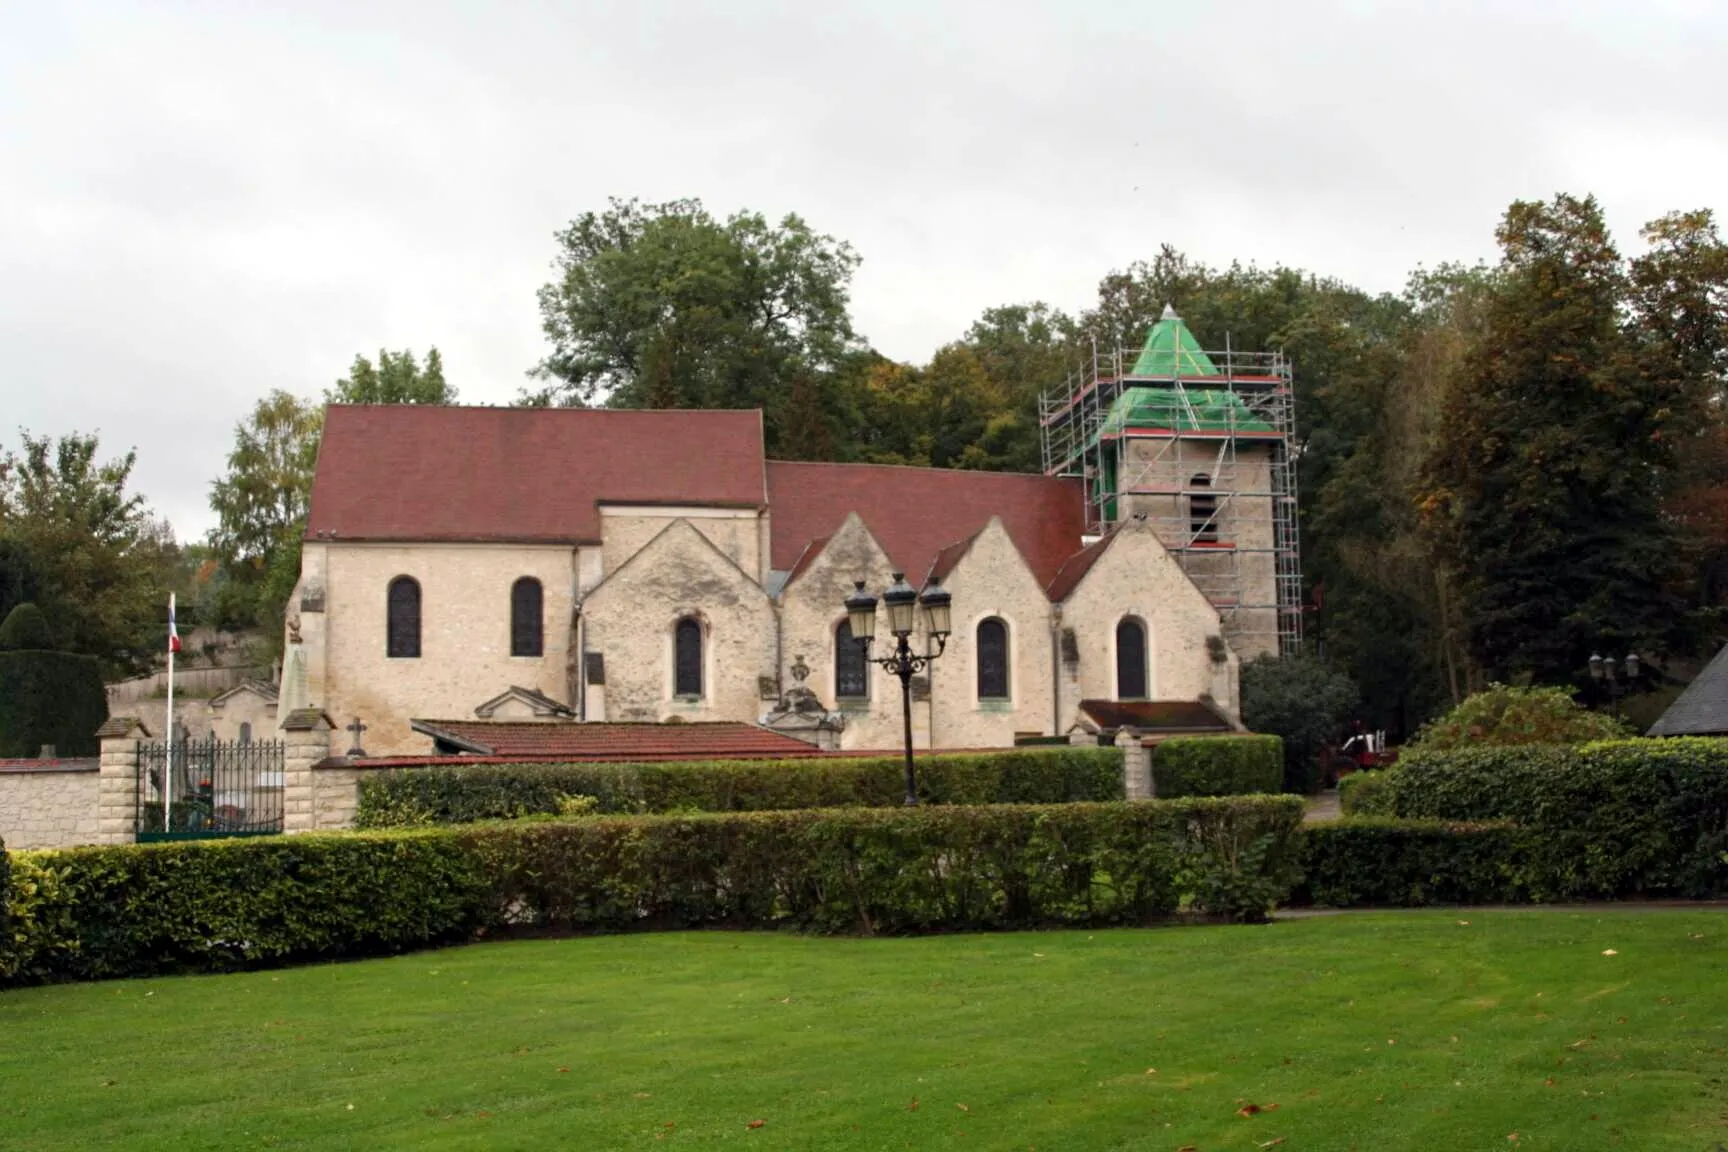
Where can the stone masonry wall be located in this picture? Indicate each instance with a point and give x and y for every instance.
(51, 807)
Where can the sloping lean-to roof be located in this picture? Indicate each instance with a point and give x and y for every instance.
(1701, 710)
(414, 472)
(531, 739)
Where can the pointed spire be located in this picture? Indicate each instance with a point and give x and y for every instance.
(1172, 351)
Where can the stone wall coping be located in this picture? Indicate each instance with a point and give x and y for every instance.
(47, 767)
(116, 727)
(307, 720)
(814, 754)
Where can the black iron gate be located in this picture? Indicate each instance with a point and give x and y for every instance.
(211, 788)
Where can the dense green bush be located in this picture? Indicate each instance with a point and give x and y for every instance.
(1305, 701)
(1366, 793)
(25, 627)
(1407, 863)
(6, 943)
(257, 902)
(462, 793)
(1502, 715)
(50, 698)
(1615, 818)
(1217, 766)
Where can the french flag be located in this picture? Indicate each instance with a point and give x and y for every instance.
(173, 632)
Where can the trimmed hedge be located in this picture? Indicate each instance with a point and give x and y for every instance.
(1366, 793)
(258, 902)
(50, 698)
(1612, 819)
(1218, 766)
(6, 942)
(1408, 863)
(416, 797)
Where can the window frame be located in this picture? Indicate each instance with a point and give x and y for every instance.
(1145, 671)
(1007, 659)
(396, 634)
(844, 640)
(1202, 510)
(691, 626)
(519, 619)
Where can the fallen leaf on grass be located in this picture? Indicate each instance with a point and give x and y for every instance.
(1248, 1110)
(1463, 923)
(1151, 1071)
(564, 1068)
(1271, 1143)
(1548, 1083)
(913, 1107)
(755, 1123)
(1609, 952)
(962, 1107)
(1187, 1148)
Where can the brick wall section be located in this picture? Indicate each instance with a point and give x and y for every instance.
(53, 806)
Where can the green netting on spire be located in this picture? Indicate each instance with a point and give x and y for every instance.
(1171, 350)
(1180, 410)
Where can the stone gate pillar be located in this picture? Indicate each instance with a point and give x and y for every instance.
(1136, 765)
(306, 743)
(117, 783)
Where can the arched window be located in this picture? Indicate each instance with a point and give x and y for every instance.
(526, 630)
(1130, 660)
(992, 660)
(687, 658)
(245, 732)
(851, 669)
(1202, 511)
(403, 633)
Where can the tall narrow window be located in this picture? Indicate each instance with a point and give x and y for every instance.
(1130, 660)
(992, 660)
(403, 632)
(245, 732)
(1202, 511)
(851, 670)
(526, 629)
(687, 658)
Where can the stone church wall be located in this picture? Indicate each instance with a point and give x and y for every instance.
(811, 610)
(992, 580)
(735, 533)
(1136, 577)
(630, 618)
(464, 634)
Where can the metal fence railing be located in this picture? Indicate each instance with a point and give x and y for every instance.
(209, 788)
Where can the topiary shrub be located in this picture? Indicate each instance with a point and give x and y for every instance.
(1217, 766)
(1366, 793)
(1303, 700)
(1503, 715)
(50, 698)
(25, 628)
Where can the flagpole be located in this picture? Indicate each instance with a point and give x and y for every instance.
(168, 769)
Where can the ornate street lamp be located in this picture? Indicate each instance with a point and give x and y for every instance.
(900, 602)
(1605, 670)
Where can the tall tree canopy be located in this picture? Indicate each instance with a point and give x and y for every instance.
(1553, 454)
(664, 306)
(86, 550)
(395, 379)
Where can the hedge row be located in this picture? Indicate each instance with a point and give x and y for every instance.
(1614, 819)
(1365, 794)
(50, 698)
(1382, 862)
(1218, 766)
(417, 797)
(91, 913)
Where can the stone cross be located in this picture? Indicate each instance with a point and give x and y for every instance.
(356, 727)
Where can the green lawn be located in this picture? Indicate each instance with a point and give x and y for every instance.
(1434, 1031)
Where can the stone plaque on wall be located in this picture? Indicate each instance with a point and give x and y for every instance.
(766, 688)
(920, 687)
(1070, 647)
(594, 667)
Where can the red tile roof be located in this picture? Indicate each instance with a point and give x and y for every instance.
(618, 742)
(526, 475)
(1156, 715)
(914, 513)
(1074, 570)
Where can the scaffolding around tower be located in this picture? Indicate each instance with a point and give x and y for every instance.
(1202, 445)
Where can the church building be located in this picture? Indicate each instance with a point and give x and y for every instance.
(579, 565)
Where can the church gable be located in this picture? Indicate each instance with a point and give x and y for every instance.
(683, 631)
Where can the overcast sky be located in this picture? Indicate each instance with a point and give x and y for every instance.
(202, 202)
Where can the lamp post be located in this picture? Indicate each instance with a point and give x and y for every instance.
(900, 602)
(1604, 670)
